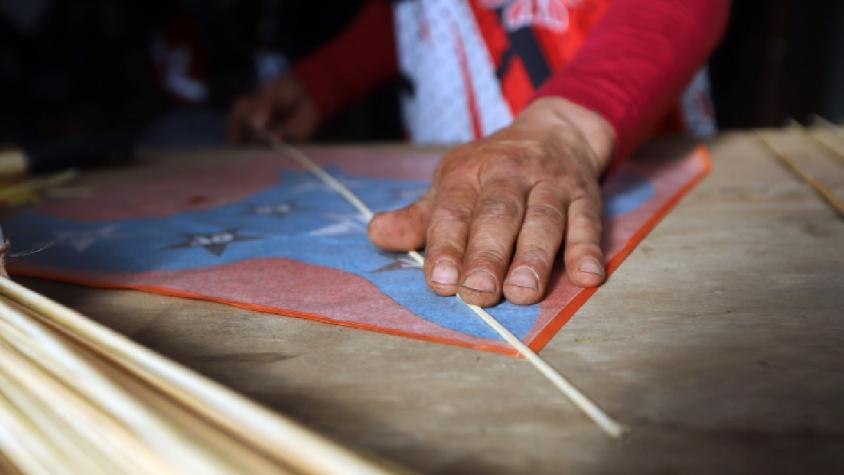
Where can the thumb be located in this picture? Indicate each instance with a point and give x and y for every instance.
(300, 122)
(262, 112)
(403, 229)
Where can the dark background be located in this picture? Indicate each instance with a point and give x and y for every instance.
(77, 67)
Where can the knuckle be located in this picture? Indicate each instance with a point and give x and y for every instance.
(580, 187)
(499, 207)
(584, 235)
(590, 190)
(544, 213)
(533, 254)
(568, 183)
(584, 184)
(442, 251)
(500, 169)
(490, 256)
(582, 248)
(450, 213)
(436, 251)
(589, 219)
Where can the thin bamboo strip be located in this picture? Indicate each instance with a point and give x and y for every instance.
(177, 448)
(13, 163)
(261, 428)
(834, 150)
(812, 135)
(233, 455)
(611, 427)
(820, 188)
(90, 421)
(236, 457)
(7, 467)
(21, 444)
(817, 119)
(26, 191)
(74, 456)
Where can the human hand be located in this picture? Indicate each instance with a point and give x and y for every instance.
(530, 188)
(282, 107)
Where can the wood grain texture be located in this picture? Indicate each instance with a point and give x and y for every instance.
(720, 341)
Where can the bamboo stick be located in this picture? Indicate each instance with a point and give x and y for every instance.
(7, 467)
(818, 119)
(89, 421)
(27, 191)
(828, 146)
(231, 456)
(73, 453)
(12, 163)
(820, 188)
(19, 444)
(826, 126)
(271, 435)
(150, 427)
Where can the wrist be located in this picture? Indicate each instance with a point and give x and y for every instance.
(561, 116)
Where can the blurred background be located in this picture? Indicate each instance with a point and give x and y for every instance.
(165, 72)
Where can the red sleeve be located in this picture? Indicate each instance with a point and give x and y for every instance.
(354, 62)
(637, 60)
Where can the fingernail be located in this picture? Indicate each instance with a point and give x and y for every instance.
(481, 281)
(444, 273)
(524, 277)
(591, 266)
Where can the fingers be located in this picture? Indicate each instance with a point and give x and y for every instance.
(537, 245)
(583, 256)
(297, 123)
(448, 230)
(496, 220)
(237, 128)
(481, 209)
(247, 114)
(402, 229)
(281, 105)
(263, 108)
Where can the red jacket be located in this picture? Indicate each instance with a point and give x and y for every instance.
(628, 60)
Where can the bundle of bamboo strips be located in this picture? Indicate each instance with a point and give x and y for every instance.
(75, 397)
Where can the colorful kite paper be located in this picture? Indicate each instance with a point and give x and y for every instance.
(256, 232)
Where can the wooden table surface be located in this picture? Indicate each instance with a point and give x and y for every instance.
(720, 341)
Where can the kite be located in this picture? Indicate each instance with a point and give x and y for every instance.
(254, 231)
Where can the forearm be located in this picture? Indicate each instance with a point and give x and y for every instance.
(353, 63)
(637, 61)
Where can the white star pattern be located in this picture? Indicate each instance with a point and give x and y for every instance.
(399, 263)
(277, 209)
(82, 240)
(215, 243)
